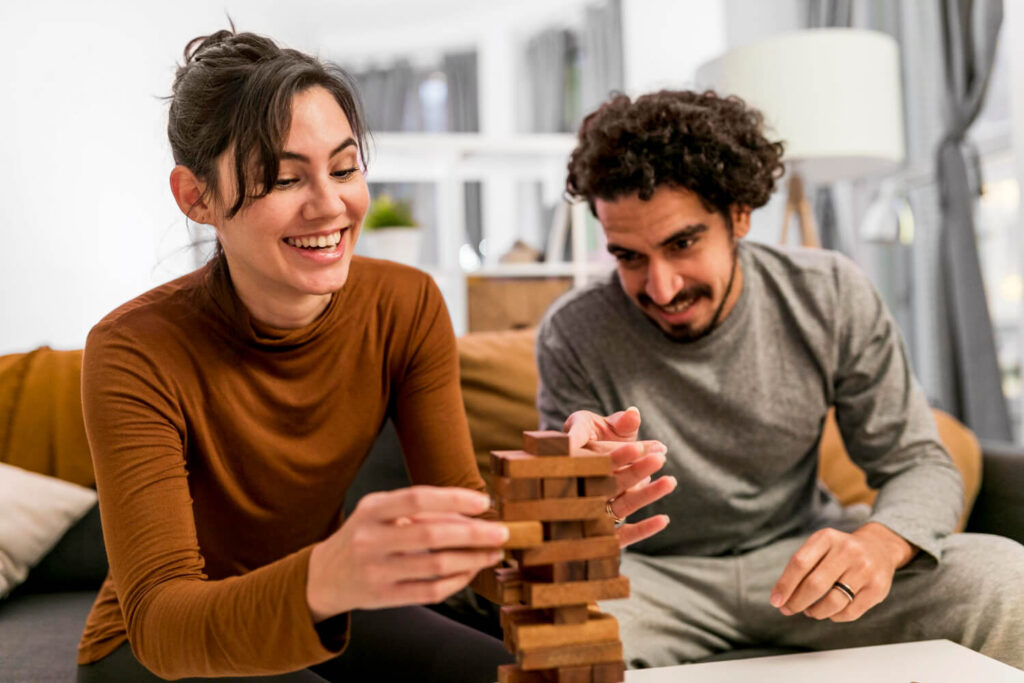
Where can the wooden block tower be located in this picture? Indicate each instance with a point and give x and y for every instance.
(563, 556)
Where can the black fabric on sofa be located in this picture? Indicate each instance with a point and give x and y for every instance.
(40, 623)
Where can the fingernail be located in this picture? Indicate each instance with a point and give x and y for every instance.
(786, 611)
(776, 600)
(504, 532)
(633, 408)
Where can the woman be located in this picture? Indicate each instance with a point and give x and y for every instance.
(229, 410)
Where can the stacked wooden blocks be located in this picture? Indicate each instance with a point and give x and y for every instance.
(563, 557)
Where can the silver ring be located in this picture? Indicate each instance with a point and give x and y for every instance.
(845, 590)
(608, 508)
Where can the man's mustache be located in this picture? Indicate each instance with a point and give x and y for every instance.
(685, 295)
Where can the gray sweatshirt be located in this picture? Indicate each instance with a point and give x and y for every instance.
(742, 409)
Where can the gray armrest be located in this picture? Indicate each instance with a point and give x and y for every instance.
(1000, 505)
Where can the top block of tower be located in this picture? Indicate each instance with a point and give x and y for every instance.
(548, 442)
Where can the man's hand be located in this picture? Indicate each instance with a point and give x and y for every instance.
(633, 463)
(864, 561)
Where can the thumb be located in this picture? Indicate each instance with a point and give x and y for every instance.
(626, 423)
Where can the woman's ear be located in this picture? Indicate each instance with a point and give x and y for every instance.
(190, 194)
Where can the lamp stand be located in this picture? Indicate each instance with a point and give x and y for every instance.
(796, 203)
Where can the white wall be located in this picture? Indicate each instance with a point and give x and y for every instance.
(664, 41)
(86, 219)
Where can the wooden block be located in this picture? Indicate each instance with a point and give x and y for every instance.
(574, 674)
(570, 655)
(551, 509)
(599, 526)
(546, 442)
(519, 464)
(575, 592)
(599, 486)
(568, 550)
(609, 672)
(557, 531)
(571, 614)
(524, 534)
(557, 572)
(558, 487)
(531, 635)
(500, 586)
(603, 568)
(517, 614)
(516, 489)
(512, 673)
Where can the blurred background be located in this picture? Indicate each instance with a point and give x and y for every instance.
(473, 106)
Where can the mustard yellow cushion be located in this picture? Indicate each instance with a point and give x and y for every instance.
(499, 386)
(849, 484)
(41, 424)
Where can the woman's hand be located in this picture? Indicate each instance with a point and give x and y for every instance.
(411, 546)
(633, 463)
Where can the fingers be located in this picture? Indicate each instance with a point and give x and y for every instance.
(642, 495)
(803, 562)
(585, 426)
(582, 427)
(625, 423)
(631, 533)
(391, 505)
(436, 565)
(435, 534)
(639, 469)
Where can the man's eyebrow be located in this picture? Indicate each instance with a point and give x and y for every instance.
(687, 232)
(349, 142)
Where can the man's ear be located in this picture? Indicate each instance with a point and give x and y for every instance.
(190, 194)
(740, 216)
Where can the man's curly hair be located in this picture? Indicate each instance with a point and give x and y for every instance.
(713, 146)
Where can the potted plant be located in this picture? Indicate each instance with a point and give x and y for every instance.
(391, 231)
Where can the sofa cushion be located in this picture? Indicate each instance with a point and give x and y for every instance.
(499, 387)
(78, 561)
(39, 635)
(35, 512)
(41, 424)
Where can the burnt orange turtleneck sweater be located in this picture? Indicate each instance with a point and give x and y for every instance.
(223, 450)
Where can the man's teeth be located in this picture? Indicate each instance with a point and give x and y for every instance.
(677, 308)
(321, 241)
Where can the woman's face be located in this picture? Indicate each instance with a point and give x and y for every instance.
(291, 249)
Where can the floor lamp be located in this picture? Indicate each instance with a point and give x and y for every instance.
(831, 95)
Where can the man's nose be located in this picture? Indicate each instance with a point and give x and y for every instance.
(663, 282)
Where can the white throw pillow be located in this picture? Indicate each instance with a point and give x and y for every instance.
(35, 512)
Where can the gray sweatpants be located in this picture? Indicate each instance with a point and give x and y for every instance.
(684, 608)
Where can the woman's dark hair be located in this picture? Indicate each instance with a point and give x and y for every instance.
(235, 91)
(713, 146)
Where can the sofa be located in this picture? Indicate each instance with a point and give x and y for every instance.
(41, 431)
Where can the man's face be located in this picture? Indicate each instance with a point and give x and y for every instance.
(676, 259)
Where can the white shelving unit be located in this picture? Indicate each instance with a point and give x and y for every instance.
(449, 160)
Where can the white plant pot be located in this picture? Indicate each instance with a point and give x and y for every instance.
(394, 244)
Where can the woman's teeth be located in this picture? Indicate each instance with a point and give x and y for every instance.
(328, 242)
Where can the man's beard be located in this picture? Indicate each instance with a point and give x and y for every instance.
(686, 332)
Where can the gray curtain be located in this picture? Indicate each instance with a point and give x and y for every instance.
(934, 285)
(601, 60)
(970, 30)
(550, 58)
(460, 70)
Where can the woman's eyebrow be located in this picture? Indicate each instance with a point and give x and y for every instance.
(349, 142)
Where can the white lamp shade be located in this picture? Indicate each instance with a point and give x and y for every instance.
(831, 95)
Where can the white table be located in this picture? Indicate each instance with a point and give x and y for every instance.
(929, 661)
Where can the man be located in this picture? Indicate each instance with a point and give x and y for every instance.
(733, 353)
